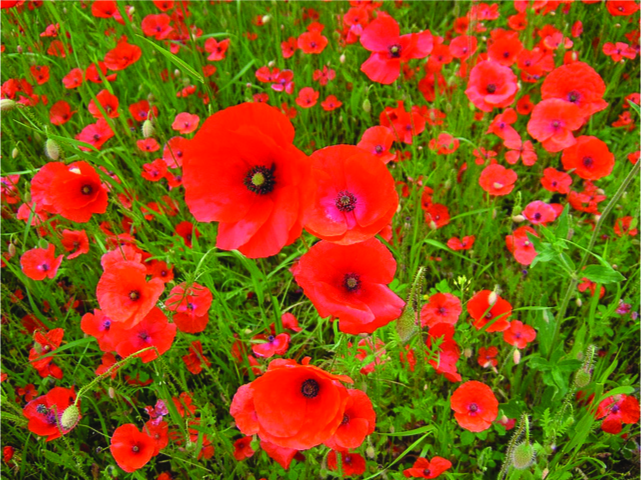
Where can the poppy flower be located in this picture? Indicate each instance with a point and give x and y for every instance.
(622, 227)
(45, 343)
(60, 113)
(378, 141)
(441, 308)
(148, 145)
(505, 47)
(187, 231)
(619, 50)
(75, 240)
(444, 144)
(359, 421)
(131, 448)
(576, 83)
(72, 191)
(283, 82)
(288, 47)
(350, 282)
(617, 410)
(463, 46)
(501, 126)
(95, 72)
(291, 405)
(243, 449)
(424, 468)
(124, 294)
(355, 195)
(520, 149)
(185, 123)
(589, 158)
(45, 413)
(190, 306)
(552, 123)
(274, 345)
(487, 357)
(141, 111)
(382, 37)
(101, 327)
(283, 456)
(216, 49)
(159, 432)
(156, 26)
(323, 76)
(95, 134)
(621, 8)
(40, 263)
(539, 213)
(351, 463)
(195, 360)
(556, 181)
(307, 97)
(153, 330)
(242, 170)
(465, 243)
(519, 334)
(405, 125)
(491, 85)
(444, 356)
(108, 102)
(475, 406)
(312, 41)
(122, 56)
(331, 103)
(497, 180)
(174, 151)
(496, 313)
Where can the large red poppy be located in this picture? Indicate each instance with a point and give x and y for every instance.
(552, 123)
(131, 448)
(475, 406)
(45, 413)
(589, 158)
(491, 85)
(482, 311)
(355, 195)
(359, 421)
(350, 282)
(242, 170)
(291, 406)
(153, 331)
(40, 263)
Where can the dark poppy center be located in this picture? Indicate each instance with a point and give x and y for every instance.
(96, 137)
(351, 282)
(134, 295)
(107, 324)
(348, 459)
(537, 216)
(615, 409)
(440, 310)
(143, 335)
(41, 409)
(345, 201)
(310, 388)
(588, 162)
(44, 267)
(271, 338)
(86, 189)
(260, 179)
(474, 408)
(345, 419)
(573, 96)
(395, 51)
(488, 315)
(427, 472)
(491, 88)
(135, 449)
(378, 149)
(556, 124)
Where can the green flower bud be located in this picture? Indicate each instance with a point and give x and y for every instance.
(70, 417)
(52, 150)
(523, 456)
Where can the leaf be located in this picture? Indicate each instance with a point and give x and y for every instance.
(602, 274)
(624, 390)
(181, 64)
(238, 75)
(408, 433)
(635, 107)
(563, 223)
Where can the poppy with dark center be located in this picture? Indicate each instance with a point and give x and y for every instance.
(41, 263)
(519, 334)
(45, 413)
(359, 421)
(487, 307)
(443, 357)
(475, 406)
(389, 48)
(441, 308)
(556, 181)
(617, 410)
(40, 354)
(272, 345)
(242, 170)
(424, 468)
(153, 331)
(351, 463)
(355, 195)
(122, 56)
(378, 141)
(491, 85)
(497, 180)
(190, 305)
(291, 405)
(539, 213)
(552, 123)
(108, 102)
(350, 282)
(131, 448)
(101, 327)
(589, 158)
(60, 113)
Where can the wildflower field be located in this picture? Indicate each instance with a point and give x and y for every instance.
(299, 240)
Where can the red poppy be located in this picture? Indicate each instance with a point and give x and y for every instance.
(159, 432)
(520, 149)
(405, 125)
(174, 151)
(475, 406)
(424, 468)
(576, 83)
(463, 46)
(243, 449)
(290, 405)
(98, 325)
(378, 141)
(619, 51)
(44, 344)
(323, 76)
(187, 231)
(131, 448)
(40, 263)
(621, 8)
(288, 47)
(257, 193)
(524, 106)
(75, 241)
(312, 41)
(382, 37)
(501, 126)
(491, 85)
(539, 213)
(355, 195)
(94, 73)
(108, 102)
(437, 215)
(350, 282)
(72, 191)
(95, 134)
(556, 181)
(441, 308)
(497, 180)
(45, 413)
(141, 111)
(351, 463)
(122, 56)
(622, 227)
(487, 357)
(359, 421)
(465, 243)
(483, 312)
(444, 356)
(505, 47)
(195, 360)
(283, 456)
(519, 334)
(589, 158)
(444, 144)
(60, 113)
(124, 294)
(154, 330)
(191, 306)
(149, 145)
(185, 123)
(307, 97)
(216, 49)
(331, 103)
(274, 345)
(618, 409)
(283, 82)
(157, 26)
(552, 123)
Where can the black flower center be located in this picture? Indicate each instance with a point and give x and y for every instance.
(41, 409)
(378, 149)
(573, 96)
(135, 449)
(474, 408)
(345, 419)
(260, 179)
(427, 472)
(134, 295)
(345, 201)
(537, 216)
(588, 162)
(310, 388)
(395, 51)
(615, 409)
(351, 282)
(86, 189)
(491, 88)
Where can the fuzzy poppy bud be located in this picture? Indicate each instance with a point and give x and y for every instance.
(342, 58)
(271, 64)
(111, 392)
(11, 249)
(52, 150)
(148, 128)
(70, 417)
(523, 456)
(467, 353)
(516, 356)
(582, 378)
(7, 104)
(579, 302)
(370, 452)
(492, 298)
(367, 105)
(266, 19)
(15, 152)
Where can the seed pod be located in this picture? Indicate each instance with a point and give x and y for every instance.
(70, 417)
(516, 356)
(367, 105)
(148, 129)
(11, 249)
(52, 150)
(518, 218)
(342, 58)
(523, 456)
(15, 152)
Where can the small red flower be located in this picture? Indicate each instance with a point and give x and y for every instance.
(45, 413)
(216, 49)
(154, 330)
(359, 421)
(307, 97)
(475, 406)
(497, 180)
(378, 141)
(243, 449)
(60, 113)
(424, 468)
(75, 241)
(185, 123)
(497, 313)
(618, 409)
(552, 123)
(487, 357)
(274, 345)
(491, 85)
(108, 102)
(122, 56)
(44, 344)
(589, 158)
(312, 41)
(519, 335)
(131, 448)
(195, 359)
(465, 243)
(539, 213)
(556, 181)
(331, 103)
(40, 263)
(73, 79)
(441, 308)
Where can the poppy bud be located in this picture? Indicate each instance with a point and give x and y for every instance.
(370, 452)
(11, 249)
(523, 456)
(266, 19)
(342, 58)
(544, 474)
(582, 378)
(271, 64)
(111, 392)
(518, 218)
(52, 150)
(147, 128)
(7, 104)
(150, 97)
(14, 152)
(467, 353)
(579, 302)
(42, 243)
(176, 73)
(19, 49)
(492, 298)
(70, 417)
(516, 356)
(367, 105)
(27, 197)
